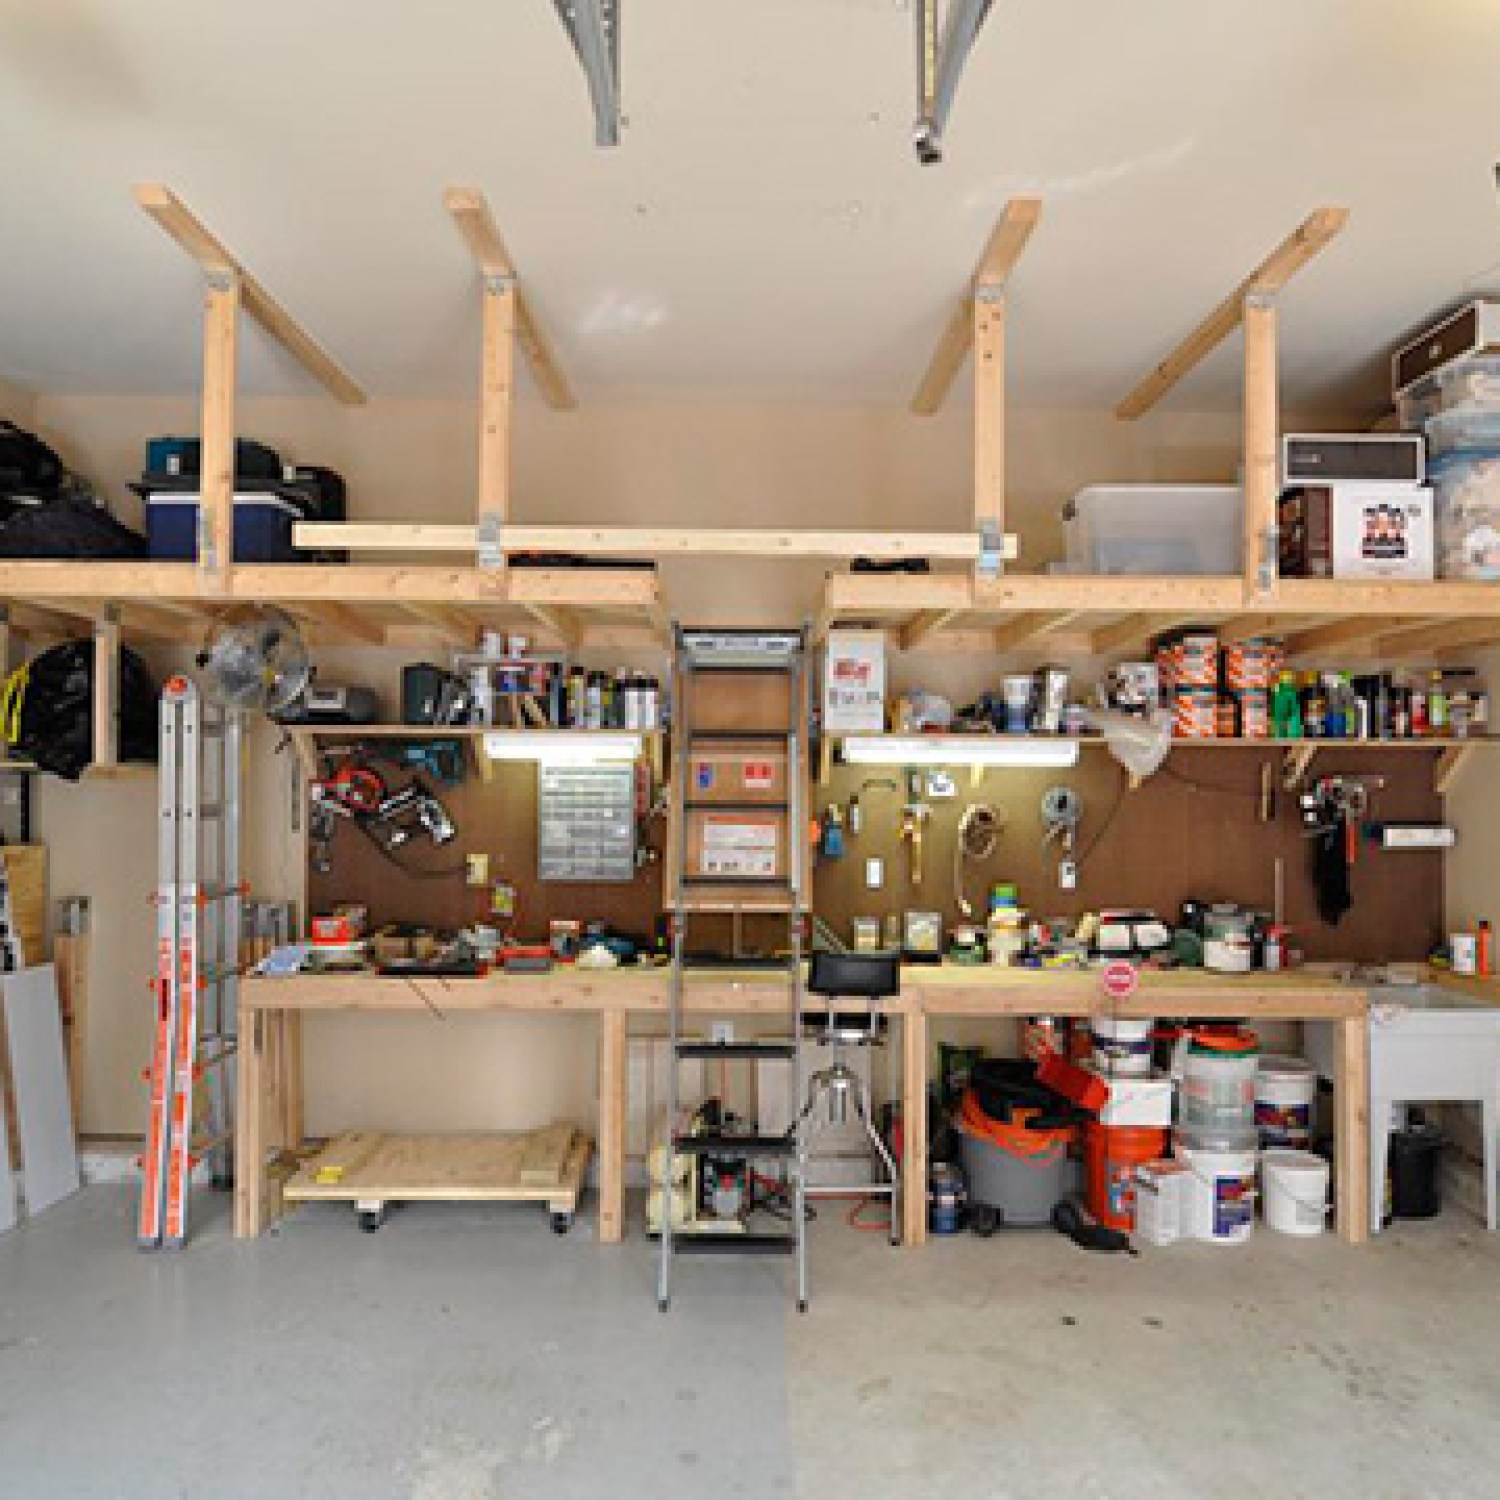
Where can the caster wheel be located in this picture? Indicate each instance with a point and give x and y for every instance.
(983, 1221)
(801, 1306)
(370, 1220)
(223, 1183)
(663, 1303)
(561, 1223)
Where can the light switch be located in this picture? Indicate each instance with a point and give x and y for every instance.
(874, 874)
(477, 869)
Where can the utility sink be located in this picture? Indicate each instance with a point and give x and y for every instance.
(1430, 1044)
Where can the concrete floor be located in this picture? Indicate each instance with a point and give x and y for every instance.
(468, 1352)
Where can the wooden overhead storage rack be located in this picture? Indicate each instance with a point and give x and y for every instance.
(1117, 615)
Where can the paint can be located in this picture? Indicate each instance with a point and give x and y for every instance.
(1285, 1089)
(1111, 1155)
(1254, 713)
(946, 1199)
(1217, 1091)
(1221, 1193)
(1197, 661)
(1294, 1192)
(1194, 713)
(1122, 1047)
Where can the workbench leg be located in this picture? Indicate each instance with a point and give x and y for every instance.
(291, 1080)
(249, 1128)
(1351, 1135)
(614, 1031)
(914, 1128)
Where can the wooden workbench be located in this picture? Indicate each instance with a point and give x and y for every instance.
(270, 1103)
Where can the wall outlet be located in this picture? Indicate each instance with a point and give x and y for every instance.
(1067, 875)
(721, 1032)
(477, 869)
(874, 874)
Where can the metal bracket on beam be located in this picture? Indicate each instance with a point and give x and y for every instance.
(593, 26)
(989, 293)
(991, 559)
(491, 541)
(1268, 570)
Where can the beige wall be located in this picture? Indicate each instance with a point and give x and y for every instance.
(1472, 870)
(17, 404)
(709, 464)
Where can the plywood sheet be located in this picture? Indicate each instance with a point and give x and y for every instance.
(546, 1156)
(44, 1112)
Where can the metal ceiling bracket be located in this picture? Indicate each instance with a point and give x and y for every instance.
(496, 284)
(943, 49)
(593, 26)
(991, 559)
(1269, 567)
(491, 541)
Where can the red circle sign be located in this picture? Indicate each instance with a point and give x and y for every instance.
(1120, 979)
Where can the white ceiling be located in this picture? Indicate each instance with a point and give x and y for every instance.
(764, 227)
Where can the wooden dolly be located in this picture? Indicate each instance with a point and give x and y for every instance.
(372, 1170)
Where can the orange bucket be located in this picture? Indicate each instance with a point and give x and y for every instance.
(1112, 1153)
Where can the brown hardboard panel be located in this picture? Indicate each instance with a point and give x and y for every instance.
(1192, 830)
(497, 818)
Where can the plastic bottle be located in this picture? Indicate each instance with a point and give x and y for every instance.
(1486, 950)
(1437, 706)
(1314, 709)
(1286, 709)
(1418, 713)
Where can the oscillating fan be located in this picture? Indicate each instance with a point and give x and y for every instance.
(256, 659)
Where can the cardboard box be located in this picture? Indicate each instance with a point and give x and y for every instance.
(854, 682)
(1162, 1201)
(737, 771)
(736, 845)
(1357, 531)
(1142, 1102)
(746, 702)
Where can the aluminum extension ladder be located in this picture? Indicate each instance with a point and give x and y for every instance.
(699, 654)
(198, 928)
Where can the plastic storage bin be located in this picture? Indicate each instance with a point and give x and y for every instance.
(262, 528)
(1466, 503)
(1475, 424)
(1155, 528)
(1469, 382)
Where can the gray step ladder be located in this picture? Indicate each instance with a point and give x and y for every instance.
(762, 878)
(199, 900)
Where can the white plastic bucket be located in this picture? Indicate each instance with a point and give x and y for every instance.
(1217, 1091)
(1122, 1047)
(1294, 1191)
(1285, 1088)
(1221, 1197)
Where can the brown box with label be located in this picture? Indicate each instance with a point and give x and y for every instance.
(737, 771)
(739, 845)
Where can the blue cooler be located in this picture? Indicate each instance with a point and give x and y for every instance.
(262, 528)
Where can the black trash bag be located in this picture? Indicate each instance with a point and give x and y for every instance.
(69, 524)
(49, 709)
(27, 465)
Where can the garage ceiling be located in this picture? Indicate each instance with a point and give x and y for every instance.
(763, 229)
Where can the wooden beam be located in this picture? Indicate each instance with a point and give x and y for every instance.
(341, 619)
(923, 625)
(989, 413)
(1442, 636)
(874, 594)
(1448, 766)
(1262, 396)
(1135, 631)
(496, 404)
(106, 696)
(1024, 627)
(1007, 241)
(561, 621)
(471, 213)
(221, 334)
(647, 541)
(1266, 280)
(178, 220)
(1111, 594)
(1338, 635)
(452, 624)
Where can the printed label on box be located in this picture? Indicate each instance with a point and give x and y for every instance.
(759, 776)
(854, 682)
(740, 847)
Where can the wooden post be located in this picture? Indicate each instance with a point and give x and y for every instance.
(221, 328)
(496, 398)
(989, 418)
(106, 703)
(1351, 1135)
(613, 1044)
(914, 1126)
(249, 1128)
(1262, 439)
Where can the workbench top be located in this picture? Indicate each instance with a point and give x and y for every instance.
(939, 989)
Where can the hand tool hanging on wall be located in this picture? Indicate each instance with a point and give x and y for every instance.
(979, 831)
(1331, 814)
(1062, 812)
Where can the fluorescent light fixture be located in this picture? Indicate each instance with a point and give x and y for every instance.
(561, 747)
(958, 750)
